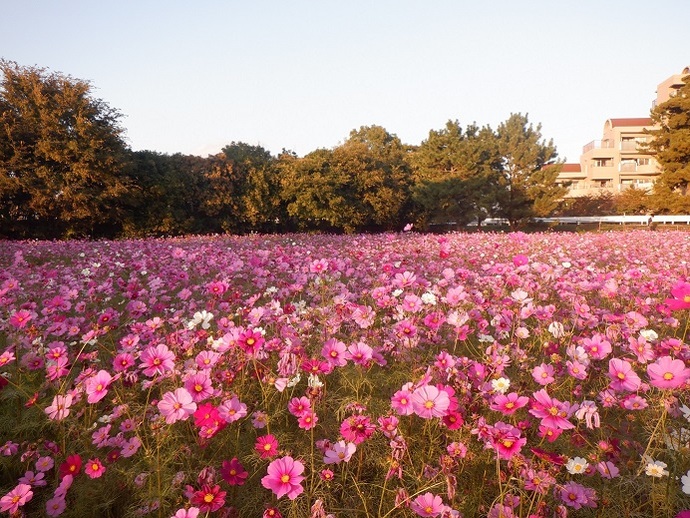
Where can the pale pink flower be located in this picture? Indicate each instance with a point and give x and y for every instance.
(338, 452)
(59, 409)
(176, 406)
(427, 505)
(232, 410)
(428, 402)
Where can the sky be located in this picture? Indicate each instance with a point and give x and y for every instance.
(192, 77)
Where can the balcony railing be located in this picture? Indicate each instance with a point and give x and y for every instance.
(597, 144)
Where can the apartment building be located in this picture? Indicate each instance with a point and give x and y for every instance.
(616, 161)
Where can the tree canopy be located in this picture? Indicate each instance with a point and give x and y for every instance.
(66, 171)
(671, 139)
(62, 154)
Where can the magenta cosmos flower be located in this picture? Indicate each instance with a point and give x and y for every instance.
(552, 412)
(233, 472)
(681, 296)
(284, 477)
(177, 405)
(668, 373)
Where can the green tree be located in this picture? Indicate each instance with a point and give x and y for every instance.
(529, 171)
(168, 195)
(671, 139)
(62, 156)
(363, 184)
(259, 190)
(456, 174)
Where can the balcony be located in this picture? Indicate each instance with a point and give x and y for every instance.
(597, 144)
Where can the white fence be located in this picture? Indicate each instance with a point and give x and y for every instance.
(612, 220)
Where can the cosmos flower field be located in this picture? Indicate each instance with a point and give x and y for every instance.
(394, 375)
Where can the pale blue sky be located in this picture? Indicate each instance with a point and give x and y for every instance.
(192, 76)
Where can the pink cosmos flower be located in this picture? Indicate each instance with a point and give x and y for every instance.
(266, 446)
(553, 413)
(176, 406)
(681, 296)
(668, 373)
(157, 360)
(284, 477)
(334, 352)
(360, 353)
(232, 410)
(357, 428)
(508, 404)
(233, 472)
(44, 463)
(427, 504)
(199, 385)
(340, 451)
(97, 386)
(622, 375)
(59, 408)
(130, 447)
(429, 402)
(573, 495)
(21, 318)
(56, 506)
(16, 498)
(299, 406)
(192, 512)
(597, 347)
(543, 374)
(401, 402)
(607, 469)
(307, 420)
(94, 468)
(506, 440)
(123, 361)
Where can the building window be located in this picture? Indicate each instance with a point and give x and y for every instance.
(643, 161)
(602, 162)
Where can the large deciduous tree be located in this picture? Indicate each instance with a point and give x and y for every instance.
(363, 184)
(62, 156)
(671, 140)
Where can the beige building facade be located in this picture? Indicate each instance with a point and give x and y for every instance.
(617, 162)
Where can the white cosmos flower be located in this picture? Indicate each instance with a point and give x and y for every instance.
(500, 385)
(656, 468)
(649, 334)
(576, 465)
(685, 480)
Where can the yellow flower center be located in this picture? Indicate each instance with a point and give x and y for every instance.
(208, 498)
(668, 376)
(285, 479)
(429, 404)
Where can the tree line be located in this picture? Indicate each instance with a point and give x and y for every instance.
(66, 171)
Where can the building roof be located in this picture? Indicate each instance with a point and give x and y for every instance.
(639, 121)
(571, 168)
